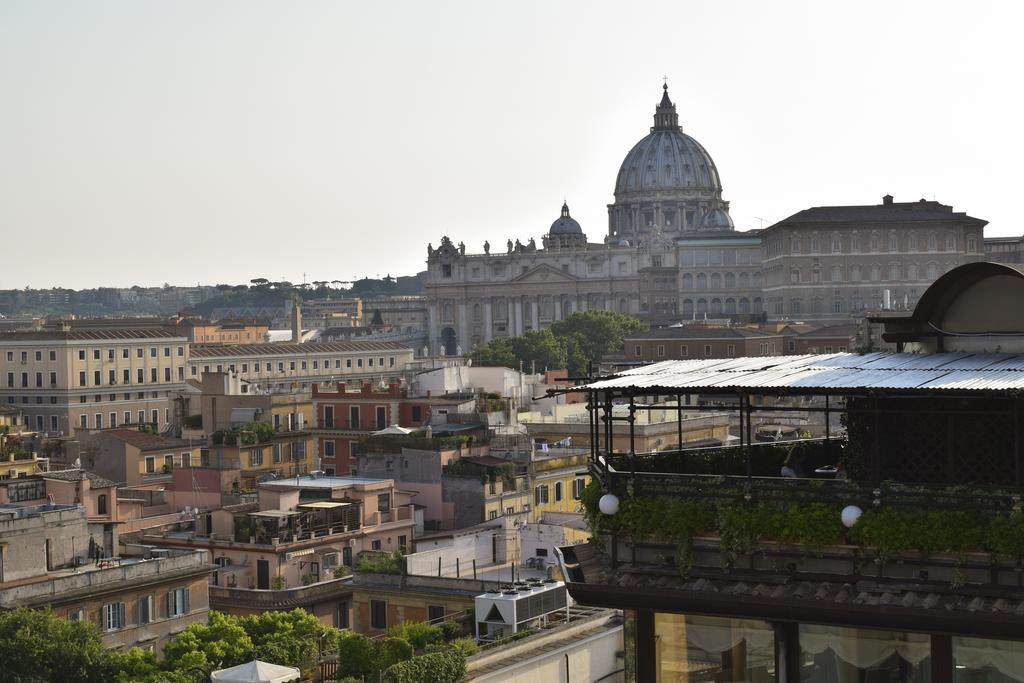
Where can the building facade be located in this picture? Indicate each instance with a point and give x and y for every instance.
(93, 378)
(671, 253)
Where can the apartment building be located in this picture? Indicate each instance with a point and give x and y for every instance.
(349, 412)
(132, 457)
(140, 599)
(282, 552)
(290, 367)
(76, 378)
(201, 331)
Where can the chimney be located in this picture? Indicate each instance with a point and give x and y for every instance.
(887, 200)
(297, 320)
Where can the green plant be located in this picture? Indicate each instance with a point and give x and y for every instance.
(384, 564)
(419, 634)
(437, 667)
(450, 630)
(341, 571)
(279, 583)
(308, 579)
(391, 651)
(1006, 535)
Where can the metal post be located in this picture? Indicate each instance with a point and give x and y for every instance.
(474, 567)
(439, 566)
(679, 415)
(1016, 440)
(457, 568)
(748, 454)
(632, 430)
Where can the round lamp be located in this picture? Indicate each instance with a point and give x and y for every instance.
(609, 504)
(850, 515)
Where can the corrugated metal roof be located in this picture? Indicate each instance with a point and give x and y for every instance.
(836, 373)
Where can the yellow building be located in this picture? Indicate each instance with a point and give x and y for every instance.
(257, 450)
(559, 476)
(87, 375)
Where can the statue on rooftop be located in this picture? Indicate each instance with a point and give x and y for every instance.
(487, 247)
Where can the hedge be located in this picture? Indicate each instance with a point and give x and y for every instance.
(439, 667)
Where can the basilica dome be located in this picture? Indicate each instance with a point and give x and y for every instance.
(666, 160)
(566, 224)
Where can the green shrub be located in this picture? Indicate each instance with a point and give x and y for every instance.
(391, 651)
(438, 667)
(419, 634)
(450, 630)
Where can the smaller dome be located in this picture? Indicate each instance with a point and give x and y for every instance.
(717, 219)
(566, 224)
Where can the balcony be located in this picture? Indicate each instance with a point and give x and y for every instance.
(717, 512)
(232, 599)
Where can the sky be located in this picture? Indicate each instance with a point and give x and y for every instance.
(144, 142)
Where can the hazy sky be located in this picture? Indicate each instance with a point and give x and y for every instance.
(148, 142)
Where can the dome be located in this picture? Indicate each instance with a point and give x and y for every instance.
(717, 219)
(667, 159)
(566, 224)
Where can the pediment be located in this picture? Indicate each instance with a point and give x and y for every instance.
(545, 273)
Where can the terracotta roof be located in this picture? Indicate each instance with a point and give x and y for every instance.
(95, 480)
(117, 334)
(295, 349)
(145, 440)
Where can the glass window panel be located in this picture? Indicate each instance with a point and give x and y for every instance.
(984, 660)
(832, 654)
(691, 648)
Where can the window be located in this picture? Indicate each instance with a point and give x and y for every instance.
(384, 502)
(492, 514)
(375, 545)
(145, 609)
(150, 464)
(378, 615)
(684, 350)
(83, 420)
(435, 613)
(152, 352)
(177, 602)
(77, 614)
(328, 449)
(540, 494)
(558, 491)
(661, 350)
(112, 616)
(731, 350)
(707, 350)
(638, 351)
(577, 488)
(256, 457)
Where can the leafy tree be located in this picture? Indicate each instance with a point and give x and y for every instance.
(540, 349)
(220, 643)
(289, 638)
(37, 647)
(419, 634)
(498, 352)
(356, 655)
(594, 334)
(391, 651)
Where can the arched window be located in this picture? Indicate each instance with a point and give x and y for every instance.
(855, 273)
(837, 306)
(933, 271)
(687, 308)
(730, 280)
(744, 281)
(837, 244)
(446, 313)
(814, 244)
(932, 242)
(950, 241)
(716, 281)
(702, 306)
(894, 242)
(874, 242)
(101, 504)
(876, 273)
(757, 307)
(687, 281)
(912, 272)
(912, 242)
(744, 305)
(716, 306)
(730, 306)
(894, 271)
(794, 245)
(794, 307)
(837, 274)
(702, 281)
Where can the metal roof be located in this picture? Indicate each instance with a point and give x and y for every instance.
(837, 373)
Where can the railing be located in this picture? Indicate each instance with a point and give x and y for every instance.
(765, 459)
(229, 596)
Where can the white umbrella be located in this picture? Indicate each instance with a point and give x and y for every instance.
(256, 672)
(393, 429)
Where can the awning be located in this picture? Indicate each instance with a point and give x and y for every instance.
(324, 505)
(393, 429)
(276, 514)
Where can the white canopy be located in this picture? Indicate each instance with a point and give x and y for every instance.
(256, 672)
(393, 429)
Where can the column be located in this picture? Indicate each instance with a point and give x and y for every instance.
(558, 307)
(534, 314)
(515, 315)
(463, 340)
(488, 321)
(433, 330)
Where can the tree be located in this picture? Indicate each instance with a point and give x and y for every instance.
(37, 646)
(540, 350)
(356, 655)
(290, 638)
(496, 353)
(220, 643)
(589, 335)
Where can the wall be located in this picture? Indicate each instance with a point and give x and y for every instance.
(457, 554)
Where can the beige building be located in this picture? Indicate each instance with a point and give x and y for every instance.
(831, 261)
(139, 599)
(71, 379)
(295, 367)
(131, 457)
